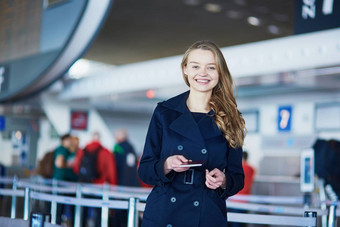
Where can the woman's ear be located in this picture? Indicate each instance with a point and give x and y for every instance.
(185, 70)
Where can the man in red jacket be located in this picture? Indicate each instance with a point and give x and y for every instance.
(106, 164)
(95, 164)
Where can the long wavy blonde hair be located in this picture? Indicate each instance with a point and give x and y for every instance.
(228, 119)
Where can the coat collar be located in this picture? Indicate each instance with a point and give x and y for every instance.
(186, 125)
(178, 102)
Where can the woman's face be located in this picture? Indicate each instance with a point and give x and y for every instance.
(201, 69)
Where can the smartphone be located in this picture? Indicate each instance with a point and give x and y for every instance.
(192, 164)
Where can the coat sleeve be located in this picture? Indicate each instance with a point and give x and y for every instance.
(234, 174)
(151, 167)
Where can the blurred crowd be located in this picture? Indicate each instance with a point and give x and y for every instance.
(93, 163)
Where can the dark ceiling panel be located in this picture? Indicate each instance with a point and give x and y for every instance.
(139, 30)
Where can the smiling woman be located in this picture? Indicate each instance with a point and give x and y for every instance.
(202, 125)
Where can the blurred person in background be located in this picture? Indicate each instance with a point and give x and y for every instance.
(249, 174)
(68, 211)
(102, 167)
(95, 164)
(74, 148)
(126, 160)
(61, 171)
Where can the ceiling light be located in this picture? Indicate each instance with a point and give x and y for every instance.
(213, 8)
(254, 21)
(273, 29)
(79, 69)
(150, 94)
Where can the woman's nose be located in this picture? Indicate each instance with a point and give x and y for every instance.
(203, 72)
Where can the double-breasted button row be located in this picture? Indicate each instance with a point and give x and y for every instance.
(204, 151)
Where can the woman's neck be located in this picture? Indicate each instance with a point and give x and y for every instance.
(199, 102)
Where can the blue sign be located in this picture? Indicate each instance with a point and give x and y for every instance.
(284, 118)
(2, 123)
(316, 15)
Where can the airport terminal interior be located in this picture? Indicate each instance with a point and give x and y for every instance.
(89, 69)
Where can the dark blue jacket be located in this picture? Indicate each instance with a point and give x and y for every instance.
(182, 199)
(126, 162)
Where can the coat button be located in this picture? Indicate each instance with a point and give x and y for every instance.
(204, 151)
(196, 203)
(173, 199)
(168, 225)
(179, 147)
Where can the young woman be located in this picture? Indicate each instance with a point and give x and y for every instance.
(202, 124)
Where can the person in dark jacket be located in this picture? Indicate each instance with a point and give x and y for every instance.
(202, 124)
(126, 160)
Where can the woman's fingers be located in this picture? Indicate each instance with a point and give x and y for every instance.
(214, 178)
(211, 185)
(178, 160)
(174, 162)
(181, 158)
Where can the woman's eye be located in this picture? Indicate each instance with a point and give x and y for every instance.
(195, 67)
(212, 68)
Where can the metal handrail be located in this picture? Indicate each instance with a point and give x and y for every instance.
(132, 204)
(332, 206)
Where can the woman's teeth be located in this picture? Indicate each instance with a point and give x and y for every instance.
(202, 81)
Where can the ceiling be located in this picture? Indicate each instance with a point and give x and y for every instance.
(140, 30)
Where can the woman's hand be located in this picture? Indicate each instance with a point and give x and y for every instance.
(173, 163)
(215, 179)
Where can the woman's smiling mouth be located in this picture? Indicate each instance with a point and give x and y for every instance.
(202, 81)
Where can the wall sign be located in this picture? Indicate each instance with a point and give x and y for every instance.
(312, 15)
(284, 118)
(79, 120)
(2, 123)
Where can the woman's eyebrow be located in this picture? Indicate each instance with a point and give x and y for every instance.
(194, 62)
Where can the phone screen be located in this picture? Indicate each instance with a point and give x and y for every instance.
(192, 164)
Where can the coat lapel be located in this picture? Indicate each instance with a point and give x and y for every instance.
(185, 125)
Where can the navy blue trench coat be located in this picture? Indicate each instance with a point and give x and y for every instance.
(182, 199)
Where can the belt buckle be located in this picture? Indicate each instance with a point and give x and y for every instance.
(189, 176)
